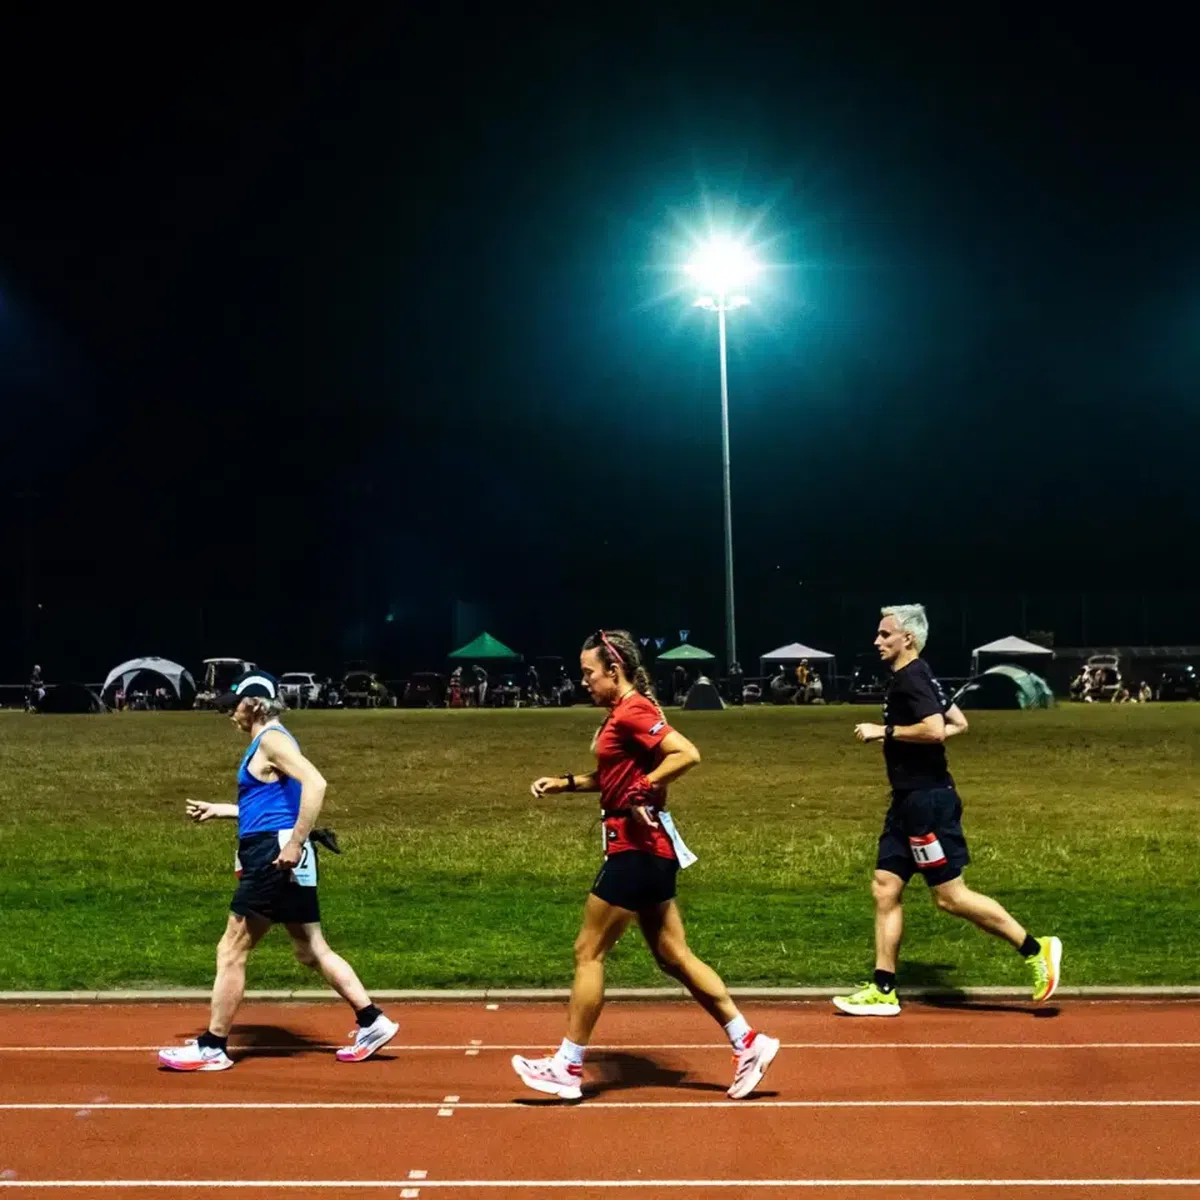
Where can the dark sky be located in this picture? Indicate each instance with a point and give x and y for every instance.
(303, 325)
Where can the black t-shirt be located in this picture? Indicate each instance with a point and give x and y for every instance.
(913, 695)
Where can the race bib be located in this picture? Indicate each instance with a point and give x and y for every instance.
(685, 856)
(927, 851)
(305, 871)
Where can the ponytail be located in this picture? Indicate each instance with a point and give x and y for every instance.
(642, 681)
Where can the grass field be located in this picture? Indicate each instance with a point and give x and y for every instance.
(1082, 820)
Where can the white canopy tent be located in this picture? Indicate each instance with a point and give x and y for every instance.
(795, 652)
(1008, 647)
(172, 672)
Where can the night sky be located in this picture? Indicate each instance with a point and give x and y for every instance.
(306, 326)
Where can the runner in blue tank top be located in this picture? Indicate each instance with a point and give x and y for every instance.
(280, 794)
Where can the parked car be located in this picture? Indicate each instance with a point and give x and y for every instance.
(361, 689)
(219, 674)
(300, 689)
(1178, 681)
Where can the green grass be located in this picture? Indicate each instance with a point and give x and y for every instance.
(1081, 820)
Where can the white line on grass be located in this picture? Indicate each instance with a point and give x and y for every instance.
(535, 1106)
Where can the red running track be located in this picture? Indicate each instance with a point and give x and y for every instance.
(1089, 1099)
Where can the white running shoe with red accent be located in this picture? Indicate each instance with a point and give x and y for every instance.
(750, 1065)
(191, 1056)
(368, 1039)
(551, 1076)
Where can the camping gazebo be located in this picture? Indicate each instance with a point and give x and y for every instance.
(1009, 649)
(485, 648)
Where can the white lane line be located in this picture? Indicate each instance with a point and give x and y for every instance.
(563, 1184)
(723, 1047)
(529, 1106)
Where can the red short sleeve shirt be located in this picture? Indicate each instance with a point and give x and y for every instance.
(628, 747)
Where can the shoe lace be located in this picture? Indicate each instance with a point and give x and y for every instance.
(1040, 971)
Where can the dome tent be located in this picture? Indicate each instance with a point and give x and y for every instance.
(182, 685)
(1005, 687)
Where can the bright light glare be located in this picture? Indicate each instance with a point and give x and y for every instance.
(722, 265)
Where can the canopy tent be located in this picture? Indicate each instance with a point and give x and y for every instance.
(1008, 647)
(686, 653)
(1005, 686)
(486, 647)
(797, 652)
(178, 677)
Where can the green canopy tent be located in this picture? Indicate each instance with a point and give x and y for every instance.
(686, 653)
(486, 648)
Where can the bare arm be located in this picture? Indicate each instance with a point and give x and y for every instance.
(931, 729)
(679, 757)
(200, 811)
(551, 785)
(956, 723)
(284, 756)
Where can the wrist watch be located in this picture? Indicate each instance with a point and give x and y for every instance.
(889, 732)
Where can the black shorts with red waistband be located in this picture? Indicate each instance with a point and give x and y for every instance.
(923, 832)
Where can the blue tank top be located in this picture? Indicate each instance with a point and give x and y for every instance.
(266, 807)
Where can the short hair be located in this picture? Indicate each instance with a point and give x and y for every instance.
(910, 618)
(263, 708)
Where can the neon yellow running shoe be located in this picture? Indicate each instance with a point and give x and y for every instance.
(1045, 967)
(869, 1001)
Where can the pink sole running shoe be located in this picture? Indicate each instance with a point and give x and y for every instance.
(368, 1039)
(191, 1056)
(751, 1064)
(549, 1076)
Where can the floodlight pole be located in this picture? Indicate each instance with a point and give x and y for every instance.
(730, 623)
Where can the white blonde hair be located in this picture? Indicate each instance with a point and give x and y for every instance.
(910, 618)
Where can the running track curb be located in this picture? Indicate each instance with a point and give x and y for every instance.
(558, 994)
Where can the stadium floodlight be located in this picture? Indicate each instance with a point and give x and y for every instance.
(719, 267)
(722, 266)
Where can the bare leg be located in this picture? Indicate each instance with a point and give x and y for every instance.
(958, 899)
(887, 890)
(603, 925)
(312, 950)
(662, 928)
(241, 935)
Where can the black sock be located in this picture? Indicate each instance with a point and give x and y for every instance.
(1029, 947)
(210, 1041)
(367, 1016)
(885, 981)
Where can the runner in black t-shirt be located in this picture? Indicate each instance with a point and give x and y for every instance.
(923, 827)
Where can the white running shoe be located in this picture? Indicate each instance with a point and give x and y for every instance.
(191, 1056)
(368, 1039)
(751, 1064)
(550, 1076)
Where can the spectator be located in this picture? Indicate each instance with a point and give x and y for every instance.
(680, 683)
(736, 680)
(481, 685)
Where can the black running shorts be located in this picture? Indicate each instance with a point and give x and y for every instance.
(923, 832)
(266, 891)
(636, 880)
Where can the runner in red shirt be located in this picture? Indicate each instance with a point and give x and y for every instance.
(637, 755)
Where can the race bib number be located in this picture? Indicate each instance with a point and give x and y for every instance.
(927, 851)
(304, 872)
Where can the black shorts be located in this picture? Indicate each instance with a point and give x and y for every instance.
(923, 832)
(266, 891)
(636, 880)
